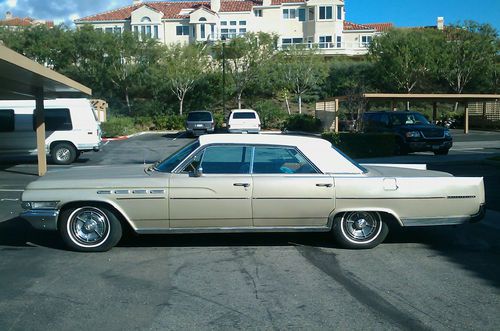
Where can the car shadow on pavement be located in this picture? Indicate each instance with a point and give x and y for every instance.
(16, 232)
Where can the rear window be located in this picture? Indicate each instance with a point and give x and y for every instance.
(200, 116)
(56, 120)
(6, 120)
(246, 115)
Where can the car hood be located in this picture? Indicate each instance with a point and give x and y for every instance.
(98, 177)
(398, 171)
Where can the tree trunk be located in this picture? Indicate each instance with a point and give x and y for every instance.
(181, 102)
(127, 99)
(239, 100)
(287, 104)
(300, 103)
(407, 105)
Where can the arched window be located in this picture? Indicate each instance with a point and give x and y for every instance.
(203, 19)
(145, 19)
(202, 27)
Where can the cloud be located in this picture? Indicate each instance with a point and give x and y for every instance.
(57, 10)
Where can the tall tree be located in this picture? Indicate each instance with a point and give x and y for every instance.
(302, 70)
(183, 66)
(243, 58)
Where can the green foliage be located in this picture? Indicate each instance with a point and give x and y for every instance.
(360, 145)
(302, 122)
(271, 115)
(118, 126)
(219, 119)
(169, 122)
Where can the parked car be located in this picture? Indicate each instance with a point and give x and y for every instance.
(249, 183)
(200, 122)
(71, 128)
(414, 133)
(243, 120)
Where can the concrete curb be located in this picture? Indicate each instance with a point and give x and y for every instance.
(138, 134)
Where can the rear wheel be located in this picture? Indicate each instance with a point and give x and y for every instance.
(63, 153)
(359, 229)
(90, 228)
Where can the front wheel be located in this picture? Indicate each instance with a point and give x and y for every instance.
(359, 229)
(90, 228)
(63, 153)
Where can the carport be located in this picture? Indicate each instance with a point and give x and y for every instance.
(24, 79)
(332, 104)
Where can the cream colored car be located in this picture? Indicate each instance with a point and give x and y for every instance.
(249, 183)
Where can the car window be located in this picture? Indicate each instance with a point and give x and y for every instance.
(226, 160)
(176, 158)
(200, 116)
(280, 160)
(243, 115)
(56, 119)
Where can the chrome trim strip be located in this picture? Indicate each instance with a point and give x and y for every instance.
(461, 197)
(291, 198)
(232, 230)
(104, 192)
(429, 221)
(122, 191)
(139, 191)
(41, 219)
(391, 198)
(157, 191)
(228, 198)
(142, 198)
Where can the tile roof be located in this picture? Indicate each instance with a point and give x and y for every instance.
(171, 9)
(279, 2)
(26, 21)
(380, 27)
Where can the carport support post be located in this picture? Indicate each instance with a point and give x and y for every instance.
(336, 115)
(466, 117)
(40, 132)
(434, 111)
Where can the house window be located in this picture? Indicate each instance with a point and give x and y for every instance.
(287, 42)
(108, 30)
(98, 29)
(232, 23)
(325, 42)
(156, 31)
(118, 30)
(289, 14)
(227, 33)
(339, 41)
(311, 14)
(302, 14)
(202, 31)
(223, 23)
(243, 31)
(136, 30)
(325, 12)
(243, 22)
(257, 12)
(366, 40)
(182, 30)
(148, 31)
(6, 120)
(145, 19)
(340, 10)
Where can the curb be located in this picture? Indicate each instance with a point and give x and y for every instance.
(136, 134)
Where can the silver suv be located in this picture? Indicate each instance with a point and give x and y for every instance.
(200, 122)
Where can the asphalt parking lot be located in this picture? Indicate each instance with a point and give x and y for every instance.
(436, 278)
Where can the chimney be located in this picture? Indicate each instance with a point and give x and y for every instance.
(8, 15)
(440, 23)
(136, 2)
(215, 5)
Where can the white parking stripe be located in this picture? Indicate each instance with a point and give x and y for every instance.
(11, 190)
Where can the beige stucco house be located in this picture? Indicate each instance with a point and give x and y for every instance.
(318, 23)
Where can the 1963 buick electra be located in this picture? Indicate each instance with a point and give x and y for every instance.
(248, 183)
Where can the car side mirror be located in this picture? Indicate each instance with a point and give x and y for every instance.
(198, 172)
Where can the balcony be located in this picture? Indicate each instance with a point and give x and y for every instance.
(333, 48)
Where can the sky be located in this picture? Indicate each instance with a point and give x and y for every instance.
(401, 13)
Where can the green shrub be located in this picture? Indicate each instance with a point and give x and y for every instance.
(144, 123)
(118, 126)
(219, 119)
(271, 115)
(302, 122)
(169, 122)
(360, 145)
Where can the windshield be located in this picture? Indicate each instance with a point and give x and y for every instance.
(173, 160)
(199, 116)
(408, 119)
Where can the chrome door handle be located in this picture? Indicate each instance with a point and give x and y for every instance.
(241, 184)
(324, 185)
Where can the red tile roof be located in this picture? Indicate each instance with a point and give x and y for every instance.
(279, 2)
(380, 27)
(171, 9)
(26, 21)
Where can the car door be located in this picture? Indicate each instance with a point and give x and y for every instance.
(288, 190)
(213, 190)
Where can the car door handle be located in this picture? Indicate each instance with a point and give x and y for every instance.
(241, 184)
(324, 185)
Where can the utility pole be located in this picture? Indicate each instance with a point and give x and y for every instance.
(224, 77)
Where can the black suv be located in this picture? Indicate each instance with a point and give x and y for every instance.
(413, 131)
(200, 122)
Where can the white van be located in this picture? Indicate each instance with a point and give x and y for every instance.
(71, 127)
(243, 120)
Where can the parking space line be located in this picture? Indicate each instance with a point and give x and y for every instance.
(179, 136)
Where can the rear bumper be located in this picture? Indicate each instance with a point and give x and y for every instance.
(243, 130)
(479, 215)
(429, 145)
(41, 219)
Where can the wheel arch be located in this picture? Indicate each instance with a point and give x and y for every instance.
(119, 212)
(387, 214)
(56, 142)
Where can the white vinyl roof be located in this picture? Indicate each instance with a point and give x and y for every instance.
(318, 150)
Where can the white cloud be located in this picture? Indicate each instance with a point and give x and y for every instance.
(11, 3)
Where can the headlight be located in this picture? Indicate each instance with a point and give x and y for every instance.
(412, 134)
(447, 134)
(39, 204)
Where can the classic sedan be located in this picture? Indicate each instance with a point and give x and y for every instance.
(249, 183)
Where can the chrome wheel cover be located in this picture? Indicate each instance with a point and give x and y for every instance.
(63, 154)
(361, 226)
(88, 227)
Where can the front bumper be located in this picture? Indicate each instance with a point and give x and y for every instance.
(41, 219)
(429, 145)
(479, 215)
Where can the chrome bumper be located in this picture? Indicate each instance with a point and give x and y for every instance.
(41, 219)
